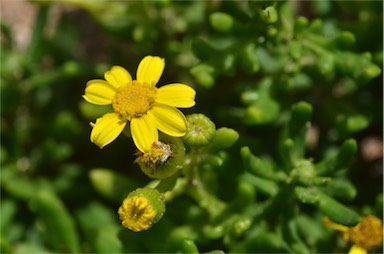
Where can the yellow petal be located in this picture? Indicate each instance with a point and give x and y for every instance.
(99, 92)
(144, 132)
(334, 225)
(150, 69)
(355, 249)
(117, 76)
(168, 120)
(106, 129)
(176, 95)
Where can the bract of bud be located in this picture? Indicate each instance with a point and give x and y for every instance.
(141, 209)
(200, 130)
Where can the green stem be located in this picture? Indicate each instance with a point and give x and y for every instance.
(196, 189)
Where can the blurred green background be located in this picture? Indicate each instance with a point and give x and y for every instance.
(248, 62)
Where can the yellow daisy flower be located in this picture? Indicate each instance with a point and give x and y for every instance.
(140, 102)
(366, 235)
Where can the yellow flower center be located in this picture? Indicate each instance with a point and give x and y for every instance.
(160, 152)
(136, 213)
(368, 233)
(134, 99)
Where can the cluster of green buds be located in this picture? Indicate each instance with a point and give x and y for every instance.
(173, 164)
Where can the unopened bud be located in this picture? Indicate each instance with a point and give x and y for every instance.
(200, 132)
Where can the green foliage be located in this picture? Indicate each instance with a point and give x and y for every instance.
(290, 90)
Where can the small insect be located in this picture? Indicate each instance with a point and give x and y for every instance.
(167, 152)
(159, 154)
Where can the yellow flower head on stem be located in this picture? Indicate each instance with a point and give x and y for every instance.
(140, 102)
(141, 209)
(136, 213)
(366, 235)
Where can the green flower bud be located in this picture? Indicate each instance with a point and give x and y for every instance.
(165, 158)
(221, 21)
(269, 15)
(141, 209)
(200, 130)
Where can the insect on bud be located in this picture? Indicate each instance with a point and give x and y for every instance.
(165, 158)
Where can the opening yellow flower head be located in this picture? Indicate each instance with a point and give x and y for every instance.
(141, 209)
(146, 107)
(366, 235)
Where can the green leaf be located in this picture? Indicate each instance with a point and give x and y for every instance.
(338, 212)
(224, 138)
(107, 240)
(59, 227)
(220, 21)
(111, 184)
(260, 167)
